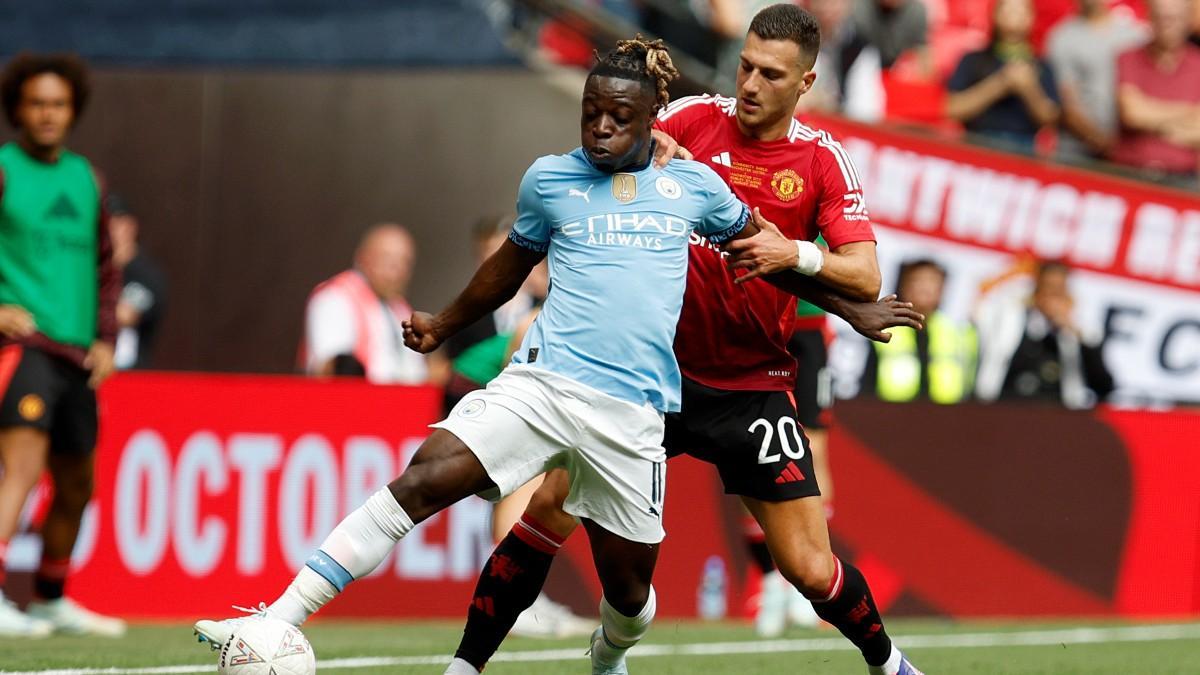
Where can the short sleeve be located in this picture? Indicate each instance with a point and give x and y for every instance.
(724, 214)
(1058, 55)
(329, 327)
(964, 74)
(531, 229)
(841, 209)
(1125, 69)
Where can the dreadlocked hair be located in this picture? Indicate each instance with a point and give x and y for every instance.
(639, 60)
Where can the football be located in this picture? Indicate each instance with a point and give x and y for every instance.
(265, 646)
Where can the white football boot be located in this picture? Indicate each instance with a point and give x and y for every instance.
(69, 617)
(607, 659)
(548, 619)
(18, 624)
(217, 632)
(771, 619)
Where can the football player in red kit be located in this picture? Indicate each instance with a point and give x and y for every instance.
(737, 411)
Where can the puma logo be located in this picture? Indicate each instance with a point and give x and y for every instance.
(575, 192)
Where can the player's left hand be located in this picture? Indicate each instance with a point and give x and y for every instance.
(666, 149)
(767, 252)
(99, 360)
(871, 318)
(420, 333)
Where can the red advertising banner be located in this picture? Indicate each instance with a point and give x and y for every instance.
(1135, 247)
(212, 491)
(1005, 202)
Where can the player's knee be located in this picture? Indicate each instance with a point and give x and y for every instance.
(810, 573)
(418, 493)
(73, 493)
(629, 599)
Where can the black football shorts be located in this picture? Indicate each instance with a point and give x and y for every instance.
(752, 437)
(48, 393)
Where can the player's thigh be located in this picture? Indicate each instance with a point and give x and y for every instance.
(618, 472)
(546, 504)
(798, 537)
(625, 568)
(754, 440)
(517, 428)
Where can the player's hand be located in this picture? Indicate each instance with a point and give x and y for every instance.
(767, 252)
(15, 322)
(421, 334)
(871, 318)
(666, 149)
(99, 360)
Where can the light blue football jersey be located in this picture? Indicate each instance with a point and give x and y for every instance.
(617, 249)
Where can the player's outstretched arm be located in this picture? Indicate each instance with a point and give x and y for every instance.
(495, 282)
(868, 317)
(851, 268)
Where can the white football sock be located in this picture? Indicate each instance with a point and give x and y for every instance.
(460, 667)
(622, 632)
(889, 667)
(355, 547)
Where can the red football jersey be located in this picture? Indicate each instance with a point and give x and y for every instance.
(733, 336)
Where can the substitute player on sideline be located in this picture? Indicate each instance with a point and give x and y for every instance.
(58, 298)
(594, 375)
(732, 343)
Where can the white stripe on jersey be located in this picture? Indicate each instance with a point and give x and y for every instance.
(824, 140)
(726, 104)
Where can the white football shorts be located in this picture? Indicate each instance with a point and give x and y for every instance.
(529, 420)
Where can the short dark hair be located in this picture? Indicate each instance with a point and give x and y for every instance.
(788, 22)
(1050, 267)
(909, 266)
(26, 66)
(638, 60)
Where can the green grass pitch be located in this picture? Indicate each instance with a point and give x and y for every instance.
(672, 648)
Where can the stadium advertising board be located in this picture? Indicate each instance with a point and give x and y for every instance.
(211, 491)
(1136, 247)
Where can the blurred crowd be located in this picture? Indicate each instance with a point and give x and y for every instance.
(1082, 81)
(1024, 343)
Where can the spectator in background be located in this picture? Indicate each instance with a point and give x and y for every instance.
(706, 29)
(352, 322)
(58, 298)
(144, 294)
(895, 27)
(1083, 50)
(1033, 349)
(935, 364)
(849, 69)
(1158, 94)
(1005, 93)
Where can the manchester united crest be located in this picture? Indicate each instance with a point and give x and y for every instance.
(787, 185)
(31, 407)
(624, 187)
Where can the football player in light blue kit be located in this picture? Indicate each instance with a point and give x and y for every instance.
(595, 374)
